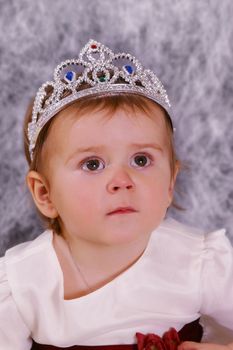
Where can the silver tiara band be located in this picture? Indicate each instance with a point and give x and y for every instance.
(103, 73)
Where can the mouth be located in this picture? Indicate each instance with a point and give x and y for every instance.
(122, 210)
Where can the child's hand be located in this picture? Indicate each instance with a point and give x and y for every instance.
(189, 345)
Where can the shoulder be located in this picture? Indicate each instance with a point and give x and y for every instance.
(25, 271)
(177, 230)
(27, 262)
(187, 243)
(10, 316)
(176, 234)
(24, 251)
(4, 287)
(170, 225)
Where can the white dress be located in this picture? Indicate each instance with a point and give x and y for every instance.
(181, 275)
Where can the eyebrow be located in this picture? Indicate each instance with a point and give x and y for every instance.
(100, 148)
(103, 147)
(147, 145)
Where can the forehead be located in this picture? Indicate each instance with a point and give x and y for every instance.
(91, 127)
(102, 116)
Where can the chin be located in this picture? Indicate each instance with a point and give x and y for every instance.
(124, 236)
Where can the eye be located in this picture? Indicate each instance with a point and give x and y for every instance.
(92, 164)
(142, 160)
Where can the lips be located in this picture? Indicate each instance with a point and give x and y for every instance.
(122, 210)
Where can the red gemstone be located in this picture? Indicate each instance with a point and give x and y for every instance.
(94, 46)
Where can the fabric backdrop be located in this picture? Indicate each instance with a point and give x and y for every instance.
(189, 44)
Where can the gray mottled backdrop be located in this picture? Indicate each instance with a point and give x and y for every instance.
(189, 44)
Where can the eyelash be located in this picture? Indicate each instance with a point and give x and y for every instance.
(85, 161)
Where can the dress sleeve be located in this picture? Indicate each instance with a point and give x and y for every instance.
(217, 279)
(13, 332)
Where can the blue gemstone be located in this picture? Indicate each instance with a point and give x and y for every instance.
(129, 69)
(69, 76)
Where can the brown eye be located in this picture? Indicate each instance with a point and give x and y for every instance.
(141, 160)
(93, 165)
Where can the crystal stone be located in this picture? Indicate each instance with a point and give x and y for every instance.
(69, 76)
(102, 78)
(129, 69)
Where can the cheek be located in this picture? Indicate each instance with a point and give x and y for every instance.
(158, 188)
(160, 179)
(85, 195)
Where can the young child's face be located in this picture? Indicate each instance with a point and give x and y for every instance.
(97, 165)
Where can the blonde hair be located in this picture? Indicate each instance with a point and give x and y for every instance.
(106, 103)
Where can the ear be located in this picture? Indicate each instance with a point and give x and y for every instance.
(39, 188)
(173, 181)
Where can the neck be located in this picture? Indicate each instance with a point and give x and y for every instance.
(101, 263)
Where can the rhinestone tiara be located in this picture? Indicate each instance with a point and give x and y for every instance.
(97, 71)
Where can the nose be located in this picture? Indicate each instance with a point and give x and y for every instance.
(121, 180)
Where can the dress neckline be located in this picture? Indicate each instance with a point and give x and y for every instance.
(121, 277)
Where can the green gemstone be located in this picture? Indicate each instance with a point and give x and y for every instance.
(102, 78)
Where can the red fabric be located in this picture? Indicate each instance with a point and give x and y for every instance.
(169, 341)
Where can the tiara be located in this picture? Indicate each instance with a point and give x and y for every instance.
(97, 71)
